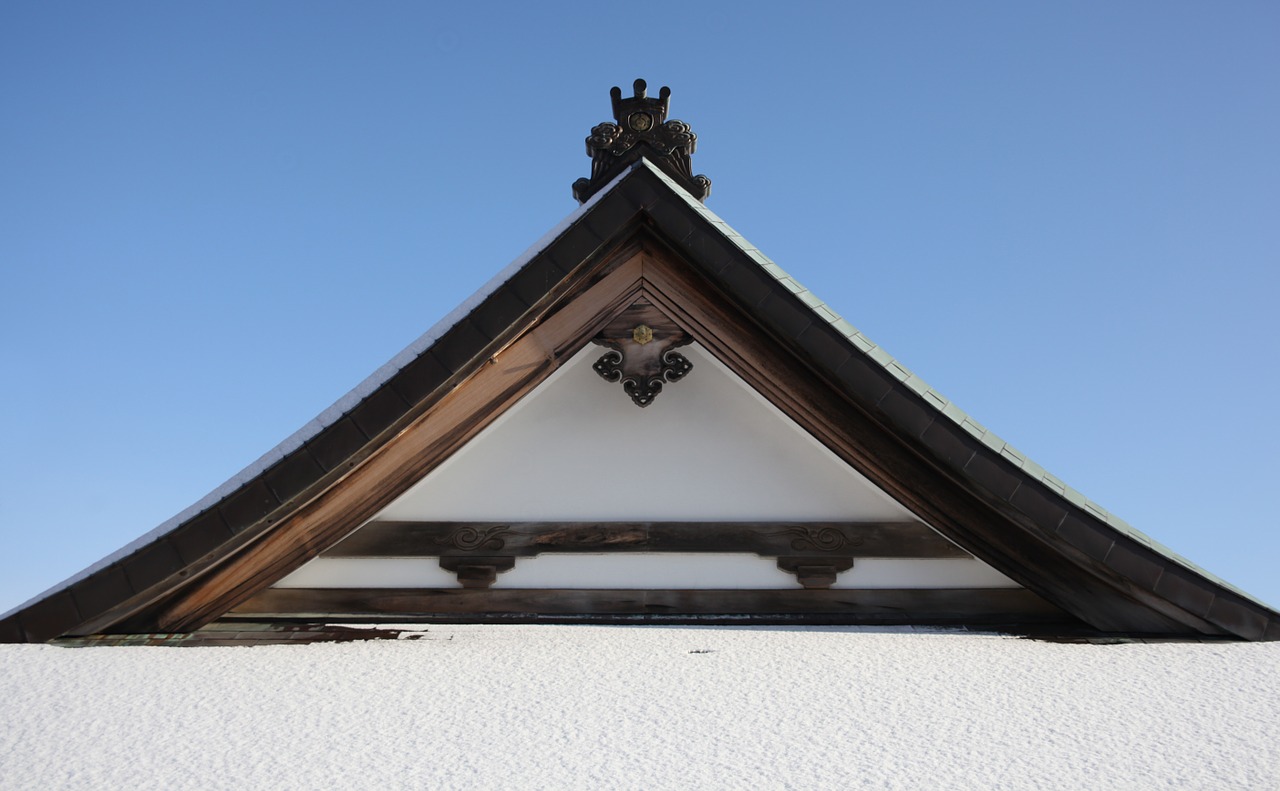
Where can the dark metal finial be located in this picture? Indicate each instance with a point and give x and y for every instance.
(642, 130)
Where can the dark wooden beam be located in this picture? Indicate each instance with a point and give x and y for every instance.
(899, 606)
(525, 539)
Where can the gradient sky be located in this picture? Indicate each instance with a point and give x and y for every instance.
(216, 219)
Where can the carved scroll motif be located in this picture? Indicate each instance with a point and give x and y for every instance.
(642, 354)
(469, 538)
(818, 539)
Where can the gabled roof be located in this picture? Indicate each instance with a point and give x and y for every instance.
(978, 491)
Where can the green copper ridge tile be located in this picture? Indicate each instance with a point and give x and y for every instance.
(936, 401)
(1054, 483)
(810, 299)
(991, 440)
(1012, 455)
(1032, 469)
(826, 313)
(860, 340)
(952, 411)
(1074, 497)
(881, 356)
(900, 373)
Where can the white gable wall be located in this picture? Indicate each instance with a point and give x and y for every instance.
(708, 449)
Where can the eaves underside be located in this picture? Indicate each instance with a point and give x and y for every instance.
(336, 441)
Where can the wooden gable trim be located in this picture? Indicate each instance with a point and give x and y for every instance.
(432, 437)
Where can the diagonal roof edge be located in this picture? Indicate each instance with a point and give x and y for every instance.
(931, 396)
(1133, 567)
(331, 414)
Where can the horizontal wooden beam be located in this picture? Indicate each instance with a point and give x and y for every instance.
(899, 606)
(525, 539)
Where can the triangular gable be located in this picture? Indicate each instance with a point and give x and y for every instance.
(573, 451)
(758, 322)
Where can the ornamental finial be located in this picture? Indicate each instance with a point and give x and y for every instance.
(641, 130)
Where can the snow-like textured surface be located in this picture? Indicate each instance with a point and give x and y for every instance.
(588, 707)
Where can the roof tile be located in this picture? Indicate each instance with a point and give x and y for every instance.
(152, 564)
(101, 590)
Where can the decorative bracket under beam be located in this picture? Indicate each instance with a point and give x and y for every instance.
(815, 573)
(477, 571)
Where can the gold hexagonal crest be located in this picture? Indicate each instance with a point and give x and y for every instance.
(642, 334)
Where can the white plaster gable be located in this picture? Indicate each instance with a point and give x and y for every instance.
(708, 448)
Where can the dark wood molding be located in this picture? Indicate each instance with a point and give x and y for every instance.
(898, 606)
(449, 423)
(526, 539)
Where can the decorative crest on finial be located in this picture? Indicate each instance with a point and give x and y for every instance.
(642, 130)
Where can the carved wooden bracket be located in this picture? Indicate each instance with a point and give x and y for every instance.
(816, 572)
(477, 571)
(642, 343)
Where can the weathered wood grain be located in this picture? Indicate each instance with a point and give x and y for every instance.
(526, 539)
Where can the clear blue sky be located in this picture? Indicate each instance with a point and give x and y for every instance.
(215, 219)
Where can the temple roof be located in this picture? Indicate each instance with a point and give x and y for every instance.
(1042, 532)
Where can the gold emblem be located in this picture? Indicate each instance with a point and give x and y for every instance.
(642, 334)
(641, 121)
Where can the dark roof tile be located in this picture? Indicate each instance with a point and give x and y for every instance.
(253, 501)
(101, 590)
(1045, 509)
(785, 315)
(993, 474)
(201, 535)
(379, 410)
(50, 617)
(1086, 535)
(1185, 590)
(292, 474)
(152, 564)
(501, 310)
(419, 378)
(864, 379)
(460, 345)
(907, 412)
(11, 630)
(950, 443)
(825, 345)
(1134, 564)
(335, 445)
(1234, 615)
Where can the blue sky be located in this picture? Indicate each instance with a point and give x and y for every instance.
(216, 219)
